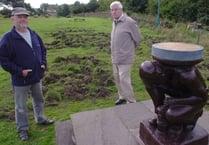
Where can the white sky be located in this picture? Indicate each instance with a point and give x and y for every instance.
(37, 3)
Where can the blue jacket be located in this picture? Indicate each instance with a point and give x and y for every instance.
(16, 54)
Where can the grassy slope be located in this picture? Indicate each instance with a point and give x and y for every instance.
(40, 135)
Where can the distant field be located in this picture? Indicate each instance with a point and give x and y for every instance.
(76, 45)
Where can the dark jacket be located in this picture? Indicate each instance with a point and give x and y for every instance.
(16, 55)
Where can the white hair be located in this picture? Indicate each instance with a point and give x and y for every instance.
(116, 3)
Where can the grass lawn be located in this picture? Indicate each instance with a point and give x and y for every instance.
(93, 30)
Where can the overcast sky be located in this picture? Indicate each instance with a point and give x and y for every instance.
(37, 3)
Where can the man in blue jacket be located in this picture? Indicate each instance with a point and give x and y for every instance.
(23, 55)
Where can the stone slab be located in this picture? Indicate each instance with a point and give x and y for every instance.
(64, 132)
(203, 121)
(100, 127)
(111, 126)
(106, 126)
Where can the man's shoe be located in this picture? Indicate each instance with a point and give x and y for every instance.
(23, 134)
(120, 101)
(46, 122)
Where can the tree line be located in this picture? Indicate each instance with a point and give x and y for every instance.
(174, 10)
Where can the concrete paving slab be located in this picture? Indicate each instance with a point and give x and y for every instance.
(117, 125)
(203, 121)
(100, 127)
(149, 105)
(121, 123)
(64, 132)
(132, 114)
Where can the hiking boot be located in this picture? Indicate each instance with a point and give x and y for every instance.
(23, 134)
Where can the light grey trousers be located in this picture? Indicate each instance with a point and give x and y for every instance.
(122, 79)
(21, 94)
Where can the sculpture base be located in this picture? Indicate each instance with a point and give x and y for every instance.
(151, 136)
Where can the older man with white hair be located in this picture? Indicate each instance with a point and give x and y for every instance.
(125, 37)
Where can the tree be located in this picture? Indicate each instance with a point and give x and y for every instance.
(178, 10)
(77, 7)
(92, 6)
(136, 5)
(17, 3)
(6, 2)
(44, 7)
(6, 13)
(13, 3)
(203, 11)
(104, 5)
(63, 10)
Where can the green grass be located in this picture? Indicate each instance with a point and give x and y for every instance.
(40, 135)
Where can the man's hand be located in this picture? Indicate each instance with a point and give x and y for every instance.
(25, 72)
(43, 66)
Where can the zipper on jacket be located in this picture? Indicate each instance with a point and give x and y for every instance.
(33, 52)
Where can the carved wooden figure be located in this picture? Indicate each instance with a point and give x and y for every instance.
(176, 88)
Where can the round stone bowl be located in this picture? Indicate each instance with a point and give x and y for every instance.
(177, 53)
